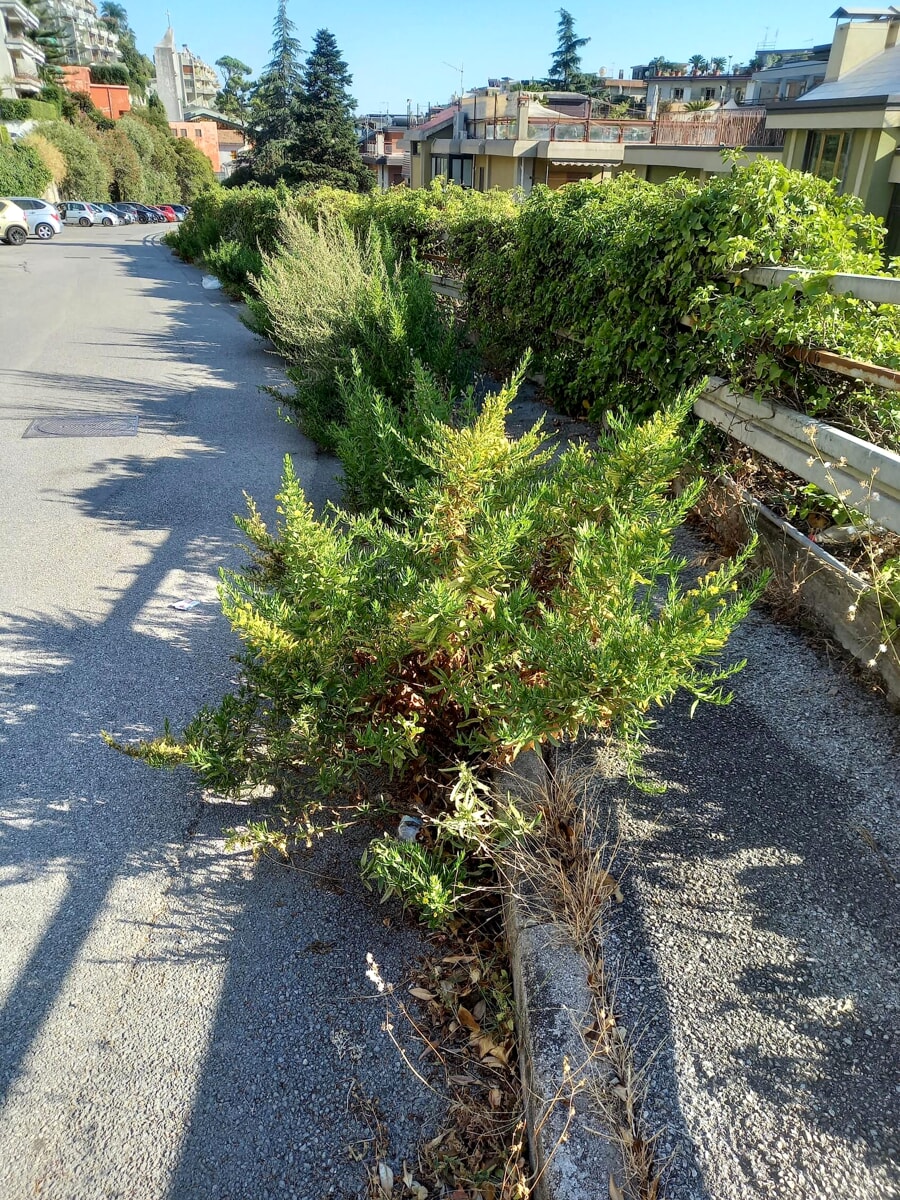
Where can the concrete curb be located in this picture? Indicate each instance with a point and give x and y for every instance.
(574, 1150)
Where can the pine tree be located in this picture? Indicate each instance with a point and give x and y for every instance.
(234, 96)
(566, 61)
(324, 147)
(273, 95)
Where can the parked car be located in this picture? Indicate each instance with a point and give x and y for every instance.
(180, 210)
(147, 214)
(79, 212)
(13, 223)
(128, 212)
(167, 212)
(112, 211)
(42, 217)
(142, 212)
(108, 215)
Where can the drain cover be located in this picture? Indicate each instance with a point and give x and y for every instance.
(85, 426)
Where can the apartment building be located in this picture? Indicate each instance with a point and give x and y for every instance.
(674, 92)
(848, 127)
(222, 139)
(515, 140)
(183, 80)
(20, 58)
(380, 145)
(789, 75)
(493, 138)
(85, 38)
(112, 99)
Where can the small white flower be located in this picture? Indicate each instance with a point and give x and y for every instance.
(851, 613)
(827, 465)
(882, 649)
(842, 461)
(876, 496)
(871, 663)
(810, 461)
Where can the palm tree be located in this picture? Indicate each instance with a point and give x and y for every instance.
(699, 63)
(718, 64)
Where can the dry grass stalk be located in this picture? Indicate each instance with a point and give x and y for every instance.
(564, 870)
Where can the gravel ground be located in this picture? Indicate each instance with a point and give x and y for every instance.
(755, 957)
(175, 1022)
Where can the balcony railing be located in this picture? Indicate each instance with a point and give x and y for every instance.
(729, 129)
(723, 129)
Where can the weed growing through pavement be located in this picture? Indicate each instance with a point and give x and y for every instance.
(564, 870)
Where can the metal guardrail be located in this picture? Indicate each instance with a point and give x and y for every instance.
(864, 476)
(879, 289)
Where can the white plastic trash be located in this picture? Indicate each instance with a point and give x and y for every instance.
(408, 829)
(211, 283)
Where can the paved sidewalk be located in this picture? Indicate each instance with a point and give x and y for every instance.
(756, 955)
(174, 1022)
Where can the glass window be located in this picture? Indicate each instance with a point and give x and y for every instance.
(438, 165)
(827, 153)
(677, 93)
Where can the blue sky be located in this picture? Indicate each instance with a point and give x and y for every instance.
(399, 51)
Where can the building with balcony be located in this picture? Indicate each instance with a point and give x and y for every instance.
(792, 74)
(183, 80)
(380, 138)
(847, 128)
(501, 139)
(510, 140)
(86, 40)
(20, 59)
(673, 93)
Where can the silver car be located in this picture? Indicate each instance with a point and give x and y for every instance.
(42, 217)
(79, 212)
(111, 211)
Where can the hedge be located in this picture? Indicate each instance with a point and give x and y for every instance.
(27, 110)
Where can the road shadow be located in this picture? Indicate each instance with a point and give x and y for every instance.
(88, 838)
(755, 956)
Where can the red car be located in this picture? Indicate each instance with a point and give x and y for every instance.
(167, 211)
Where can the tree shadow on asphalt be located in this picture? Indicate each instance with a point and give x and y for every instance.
(816, 968)
(73, 808)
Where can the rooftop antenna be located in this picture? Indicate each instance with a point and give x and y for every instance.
(453, 67)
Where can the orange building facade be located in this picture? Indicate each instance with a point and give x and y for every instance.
(204, 135)
(113, 100)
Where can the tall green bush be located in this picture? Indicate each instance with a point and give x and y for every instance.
(22, 171)
(332, 300)
(522, 599)
(87, 175)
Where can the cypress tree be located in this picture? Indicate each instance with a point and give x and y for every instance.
(565, 64)
(273, 95)
(324, 147)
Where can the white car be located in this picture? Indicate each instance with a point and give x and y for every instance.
(79, 212)
(43, 219)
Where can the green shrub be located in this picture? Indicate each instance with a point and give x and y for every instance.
(27, 110)
(114, 74)
(22, 171)
(14, 110)
(233, 262)
(524, 598)
(331, 300)
(614, 268)
(378, 441)
(88, 176)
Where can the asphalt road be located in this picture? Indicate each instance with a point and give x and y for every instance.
(174, 1022)
(756, 956)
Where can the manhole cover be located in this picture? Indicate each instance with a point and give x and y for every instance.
(91, 426)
